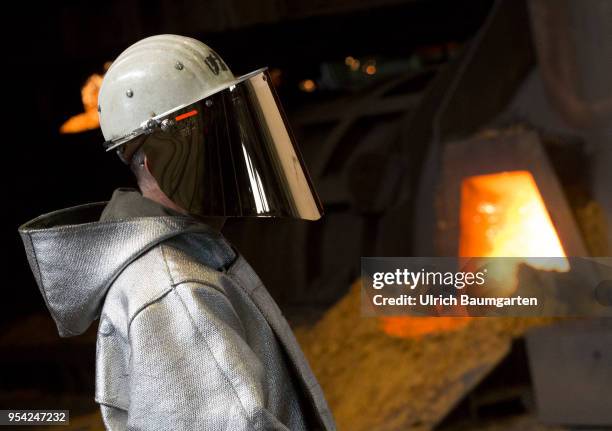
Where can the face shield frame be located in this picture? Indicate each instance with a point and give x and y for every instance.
(229, 154)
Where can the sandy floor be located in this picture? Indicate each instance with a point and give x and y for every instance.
(374, 381)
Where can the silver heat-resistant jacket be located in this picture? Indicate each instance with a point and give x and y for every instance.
(188, 339)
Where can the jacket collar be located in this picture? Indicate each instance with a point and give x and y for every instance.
(75, 257)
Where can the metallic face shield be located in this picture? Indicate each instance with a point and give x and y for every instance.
(229, 154)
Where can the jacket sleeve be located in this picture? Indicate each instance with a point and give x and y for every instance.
(191, 367)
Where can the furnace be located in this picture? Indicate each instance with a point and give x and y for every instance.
(499, 196)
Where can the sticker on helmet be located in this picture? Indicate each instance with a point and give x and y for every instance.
(214, 63)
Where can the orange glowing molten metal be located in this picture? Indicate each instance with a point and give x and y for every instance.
(501, 215)
(87, 120)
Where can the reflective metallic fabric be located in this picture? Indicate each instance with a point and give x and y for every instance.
(229, 154)
(188, 339)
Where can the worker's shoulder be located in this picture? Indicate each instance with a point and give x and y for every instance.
(143, 281)
(199, 258)
(148, 278)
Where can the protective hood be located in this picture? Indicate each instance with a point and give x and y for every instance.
(75, 258)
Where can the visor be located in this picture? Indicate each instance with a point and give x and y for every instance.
(229, 154)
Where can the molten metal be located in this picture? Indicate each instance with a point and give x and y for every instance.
(503, 215)
(87, 120)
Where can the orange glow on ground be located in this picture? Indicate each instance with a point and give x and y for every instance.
(416, 327)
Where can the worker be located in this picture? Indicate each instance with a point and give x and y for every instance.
(188, 336)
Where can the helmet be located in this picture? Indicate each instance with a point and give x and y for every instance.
(217, 145)
(155, 75)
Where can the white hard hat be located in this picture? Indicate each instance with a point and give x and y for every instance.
(156, 75)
